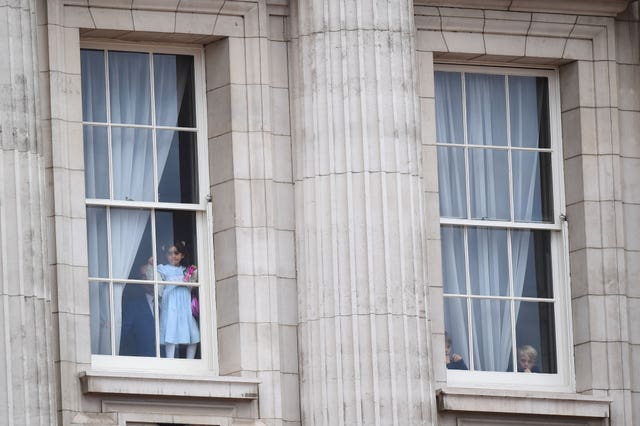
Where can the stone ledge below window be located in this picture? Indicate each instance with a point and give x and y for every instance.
(522, 402)
(170, 385)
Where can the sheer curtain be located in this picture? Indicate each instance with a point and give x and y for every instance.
(489, 199)
(132, 164)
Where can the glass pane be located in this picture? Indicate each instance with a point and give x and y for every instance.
(129, 88)
(451, 178)
(177, 166)
(100, 321)
(448, 93)
(138, 329)
(491, 322)
(97, 243)
(174, 90)
(535, 336)
(529, 111)
(130, 242)
(486, 109)
(453, 269)
(132, 164)
(489, 184)
(94, 98)
(531, 257)
(532, 186)
(456, 334)
(176, 232)
(96, 162)
(179, 329)
(488, 262)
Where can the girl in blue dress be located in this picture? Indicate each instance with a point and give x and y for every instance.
(177, 324)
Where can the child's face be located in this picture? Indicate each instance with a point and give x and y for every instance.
(174, 257)
(447, 348)
(524, 362)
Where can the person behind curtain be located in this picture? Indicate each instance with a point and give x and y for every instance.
(527, 359)
(454, 360)
(138, 336)
(177, 324)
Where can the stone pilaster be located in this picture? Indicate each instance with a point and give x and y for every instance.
(627, 392)
(26, 367)
(363, 331)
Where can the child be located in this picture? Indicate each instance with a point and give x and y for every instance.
(454, 361)
(527, 359)
(177, 325)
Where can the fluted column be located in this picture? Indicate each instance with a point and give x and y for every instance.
(26, 367)
(363, 333)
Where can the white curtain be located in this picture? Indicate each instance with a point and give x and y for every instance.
(132, 155)
(488, 170)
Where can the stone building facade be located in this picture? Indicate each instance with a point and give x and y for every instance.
(324, 293)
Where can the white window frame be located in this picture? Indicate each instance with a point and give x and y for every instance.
(564, 379)
(203, 212)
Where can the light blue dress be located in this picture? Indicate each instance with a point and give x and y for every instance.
(177, 324)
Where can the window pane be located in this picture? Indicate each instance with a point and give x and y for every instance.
(132, 164)
(96, 162)
(535, 328)
(489, 184)
(100, 321)
(130, 241)
(94, 98)
(177, 166)
(97, 243)
(176, 229)
(174, 90)
(129, 88)
(488, 262)
(532, 186)
(179, 329)
(491, 322)
(138, 330)
(453, 269)
(448, 93)
(529, 111)
(451, 178)
(486, 109)
(531, 257)
(457, 333)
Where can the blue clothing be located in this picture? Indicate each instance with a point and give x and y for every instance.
(457, 365)
(177, 324)
(138, 335)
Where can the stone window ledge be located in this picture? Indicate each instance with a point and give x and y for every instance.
(168, 385)
(522, 402)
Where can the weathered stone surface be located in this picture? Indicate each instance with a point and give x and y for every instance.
(362, 320)
(26, 366)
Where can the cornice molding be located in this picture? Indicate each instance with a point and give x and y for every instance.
(574, 7)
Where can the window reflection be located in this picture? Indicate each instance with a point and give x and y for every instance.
(177, 165)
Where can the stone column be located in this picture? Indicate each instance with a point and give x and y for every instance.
(26, 368)
(363, 331)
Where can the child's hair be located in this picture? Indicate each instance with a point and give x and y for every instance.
(447, 338)
(181, 247)
(529, 351)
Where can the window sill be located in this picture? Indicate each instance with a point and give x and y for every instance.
(522, 402)
(173, 385)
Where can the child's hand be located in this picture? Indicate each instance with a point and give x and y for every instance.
(457, 358)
